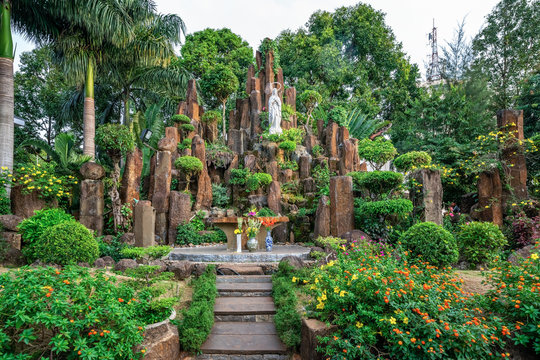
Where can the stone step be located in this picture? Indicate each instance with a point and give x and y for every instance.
(244, 328)
(241, 269)
(243, 344)
(244, 289)
(244, 279)
(239, 305)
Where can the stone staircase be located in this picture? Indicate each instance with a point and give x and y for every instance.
(244, 327)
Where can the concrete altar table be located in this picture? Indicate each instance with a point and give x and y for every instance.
(229, 224)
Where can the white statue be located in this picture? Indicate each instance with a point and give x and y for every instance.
(274, 113)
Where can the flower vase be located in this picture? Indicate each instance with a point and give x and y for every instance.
(252, 244)
(269, 241)
(238, 243)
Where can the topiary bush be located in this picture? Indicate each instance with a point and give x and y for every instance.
(257, 180)
(189, 165)
(411, 160)
(338, 115)
(377, 152)
(480, 242)
(211, 117)
(115, 139)
(181, 119)
(186, 128)
(287, 146)
(32, 228)
(432, 243)
(185, 144)
(376, 183)
(67, 243)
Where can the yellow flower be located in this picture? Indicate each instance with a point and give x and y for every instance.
(320, 306)
(342, 293)
(406, 320)
(336, 290)
(534, 256)
(294, 279)
(359, 324)
(392, 320)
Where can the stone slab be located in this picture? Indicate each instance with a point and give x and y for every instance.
(244, 279)
(243, 344)
(219, 253)
(244, 287)
(244, 328)
(244, 305)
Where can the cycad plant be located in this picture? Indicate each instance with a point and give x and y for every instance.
(360, 126)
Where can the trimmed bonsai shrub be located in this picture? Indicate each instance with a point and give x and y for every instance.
(310, 99)
(32, 228)
(186, 128)
(211, 117)
(410, 160)
(239, 176)
(479, 242)
(432, 243)
(220, 198)
(189, 165)
(67, 243)
(219, 155)
(116, 140)
(185, 144)
(181, 119)
(257, 180)
(377, 152)
(288, 147)
(376, 183)
(338, 115)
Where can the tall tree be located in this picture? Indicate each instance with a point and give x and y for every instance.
(6, 87)
(204, 49)
(506, 49)
(456, 55)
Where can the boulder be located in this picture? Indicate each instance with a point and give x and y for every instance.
(199, 269)
(293, 261)
(124, 264)
(10, 222)
(299, 152)
(522, 253)
(181, 269)
(161, 342)
(162, 265)
(258, 201)
(99, 263)
(312, 330)
(304, 166)
(198, 150)
(13, 239)
(128, 238)
(109, 261)
(308, 185)
(83, 264)
(270, 150)
(24, 205)
(204, 192)
(355, 236)
(13, 257)
(167, 144)
(322, 218)
(92, 171)
(250, 162)
(341, 205)
(281, 233)
(272, 169)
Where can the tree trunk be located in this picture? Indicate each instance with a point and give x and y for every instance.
(6, 89)
(89, 113)
(223, 120)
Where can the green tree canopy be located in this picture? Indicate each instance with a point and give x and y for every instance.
(204, 49)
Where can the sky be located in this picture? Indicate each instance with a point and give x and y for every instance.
(410, 20)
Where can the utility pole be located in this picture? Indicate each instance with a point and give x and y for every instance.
(434, 70)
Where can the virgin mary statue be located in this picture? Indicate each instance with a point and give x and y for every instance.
(274, 113)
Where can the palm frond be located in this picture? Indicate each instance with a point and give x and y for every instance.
(360, 126)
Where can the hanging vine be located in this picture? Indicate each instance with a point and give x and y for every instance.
(269, 45)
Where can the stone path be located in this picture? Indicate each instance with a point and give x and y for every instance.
(244, 327)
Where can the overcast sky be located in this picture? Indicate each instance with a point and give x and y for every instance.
(411, 20)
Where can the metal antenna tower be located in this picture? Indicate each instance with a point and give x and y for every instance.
(434, 71)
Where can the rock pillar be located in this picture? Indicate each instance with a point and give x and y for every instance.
(161, 192)
(341, 205)
(322, 218)
(490, 194)
(92, 197)
(144, 216)
(430, 196)
(131, 179)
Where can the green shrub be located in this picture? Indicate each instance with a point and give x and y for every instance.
(197, 321)
(239, 176)
(287, 146)
(32, 228)
(293, 134)
(151, 252)
(338, 115)
(5, 204)
(377, 152)
(432, 242)
(187, 234)
(189, 165)
(377, 183)
(330, 241)
(112, 249)
(317, 151)
(186, 128)
(257, 180)
(287, 319)
(63, 312)
(214, 237)
(310, 98)
(219, 155)
(185, 144)
(211, 117)
(181, 118)
(411, 160)
(384, 208)
(266, 212)
(115, 139)
(220, 198)
(480, 242)
(67, 243)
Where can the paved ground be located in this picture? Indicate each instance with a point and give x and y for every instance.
(219, 253)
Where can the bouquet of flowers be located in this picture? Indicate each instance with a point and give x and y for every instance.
(239, 229)
(268, 222)
(254, 226)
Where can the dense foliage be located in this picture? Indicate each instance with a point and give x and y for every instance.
(480, 242)
(376, 184)
(412, 159)
(431, 243)
(376, 152)
(287, 318)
